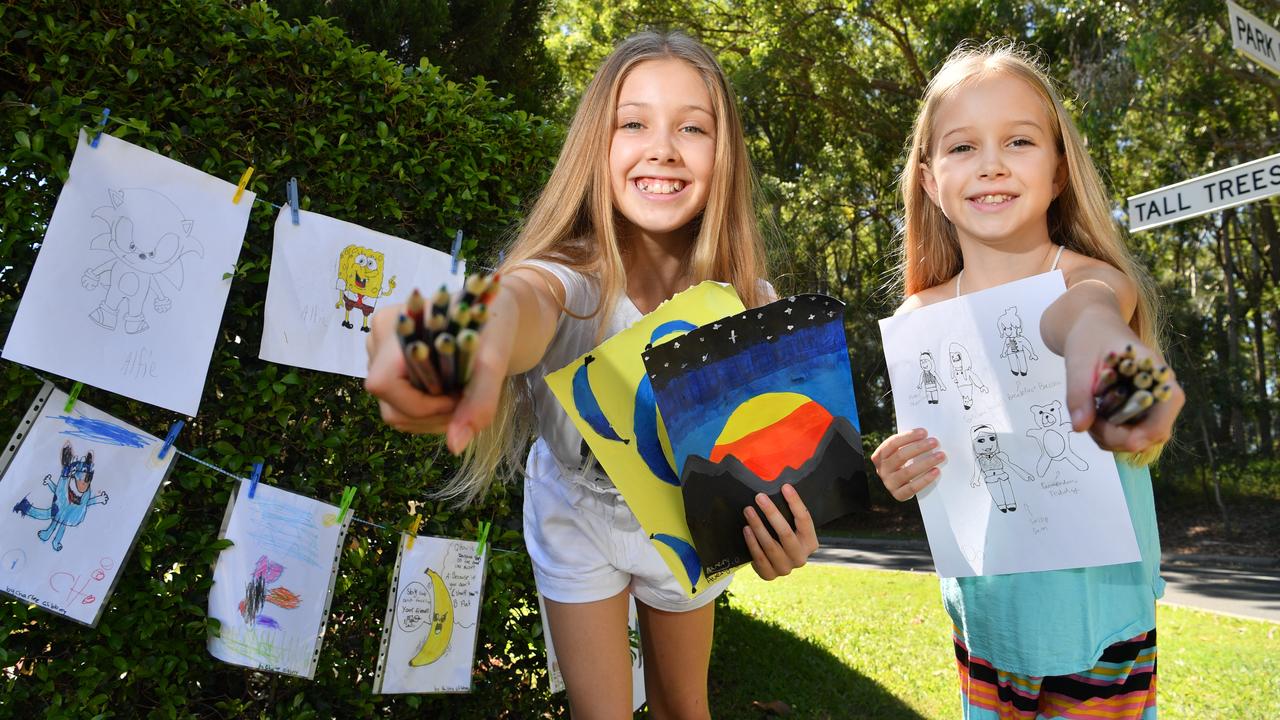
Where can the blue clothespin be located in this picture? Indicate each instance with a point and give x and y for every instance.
(174, 429)
(348, 494)
(71, 399)
(293, 199)
(457, 248)
(106, 113)
(483, 538)
(253, 479)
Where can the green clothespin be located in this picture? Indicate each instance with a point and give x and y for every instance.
(71, 399)
(348, 494)
(483, 530)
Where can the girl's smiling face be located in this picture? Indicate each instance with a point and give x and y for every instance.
(662, 156)
(994, 166)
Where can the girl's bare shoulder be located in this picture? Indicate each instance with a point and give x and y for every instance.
(1077, 268)
(935, 294)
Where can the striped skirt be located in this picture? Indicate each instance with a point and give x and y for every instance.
(1121, 686)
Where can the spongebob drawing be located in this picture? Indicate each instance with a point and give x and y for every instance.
(149, 238)
(360, 272)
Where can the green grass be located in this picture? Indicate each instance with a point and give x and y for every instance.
(835, 642)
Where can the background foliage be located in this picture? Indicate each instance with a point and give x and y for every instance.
(397, 149)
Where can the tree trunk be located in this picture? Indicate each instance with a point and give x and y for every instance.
(1236, 413)
(1213, 473)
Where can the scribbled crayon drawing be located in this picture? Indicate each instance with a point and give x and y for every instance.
(1014, 346)
(930, 380)
(962, 374)
(102, 431)
(148, 237)
(359, 285)
(1053, 434)
(257, 594)
(71, 499)
(584, 399)
(992, 467)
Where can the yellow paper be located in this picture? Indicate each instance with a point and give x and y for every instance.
(608, 396)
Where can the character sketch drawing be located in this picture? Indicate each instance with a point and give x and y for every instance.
(1053, 434)
(992, 466)
(1014, 346)
(930, 380)
(71, 499)
(257, 594)
(148, 237)
(962, 374)
(359, 285)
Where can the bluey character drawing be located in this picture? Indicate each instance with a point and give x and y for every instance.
(360, 283)
(992, 466)
(1014, 346)
(148, 238)
(930, 380)
(1053, 434)
(71, 497)
(962, 374)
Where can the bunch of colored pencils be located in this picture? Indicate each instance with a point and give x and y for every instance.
(1128, 388)
(439, 341)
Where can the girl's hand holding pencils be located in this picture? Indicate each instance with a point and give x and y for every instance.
(424, 357)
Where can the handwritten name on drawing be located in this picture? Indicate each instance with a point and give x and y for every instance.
(1060, 486)
(140, 364)
(76, 586)
(1026, 388)
(1039, 524)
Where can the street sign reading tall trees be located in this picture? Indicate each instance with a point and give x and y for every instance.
(1234, 186)
(1254, 38)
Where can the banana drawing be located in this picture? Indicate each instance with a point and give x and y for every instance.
(588, 407)
(683, 550)
(440, 630)
(648, 440)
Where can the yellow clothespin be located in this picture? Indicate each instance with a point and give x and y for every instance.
(244, 180)
(413, 531)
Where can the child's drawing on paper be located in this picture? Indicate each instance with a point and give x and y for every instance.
(992, 466)
(440, 624)
(962, 374)
(360, 272)
(930, 381)
(148, 237)
(72, 497)
(1053, 434)
(257, 594)
(1014, 346)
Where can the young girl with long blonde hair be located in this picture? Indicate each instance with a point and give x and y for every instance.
(997, 187)
(652, 193)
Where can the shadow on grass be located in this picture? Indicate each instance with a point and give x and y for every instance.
(752, 660)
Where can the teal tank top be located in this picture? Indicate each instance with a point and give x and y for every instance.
(1058, 622)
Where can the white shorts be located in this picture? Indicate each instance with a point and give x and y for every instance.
(587, 545)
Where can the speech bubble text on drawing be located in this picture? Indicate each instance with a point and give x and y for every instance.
(414, 606)
(461, 573)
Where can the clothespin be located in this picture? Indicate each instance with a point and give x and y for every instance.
(106, 112)
(244, 180)
(483, 538)
(348, 494)
(413, 531)
(174, 429)
(293, 199)
(253, 479)
(457, 248)
(71, 399)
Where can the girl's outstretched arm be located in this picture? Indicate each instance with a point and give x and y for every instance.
(522, 322)
(1088, 321)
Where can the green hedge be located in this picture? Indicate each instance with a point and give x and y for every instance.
(399, 150)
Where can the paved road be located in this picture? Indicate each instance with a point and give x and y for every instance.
(1245, 587)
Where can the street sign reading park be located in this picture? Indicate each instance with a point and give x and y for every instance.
(1253, 38)
(1223, 189)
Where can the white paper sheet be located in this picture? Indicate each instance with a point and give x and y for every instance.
(74, 496)
(1019, 491)
(429, 639)
(272, 588)
(127, 292)
(326, 275)
(633, 638)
